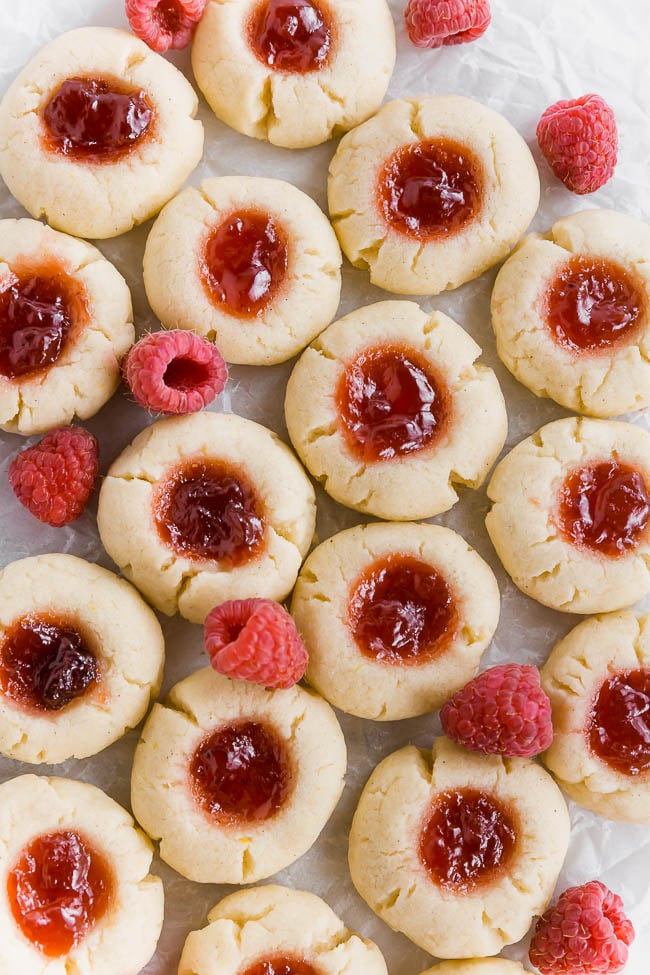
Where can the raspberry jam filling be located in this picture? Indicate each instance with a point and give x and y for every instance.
(390, 404)
(291, 36)
(241, 773)
(401, 611)
(207, 510)
(604, 507)
(430, 190)
(619, 726)
(46, 664)
(59, 889)
(466, 840)
(592, 305)
(41, 310)
(245, 263)
(96, 120)
(281, 965)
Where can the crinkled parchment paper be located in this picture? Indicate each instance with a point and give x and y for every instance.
(535, 52)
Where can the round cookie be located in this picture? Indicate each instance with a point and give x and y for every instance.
(395, 618)
(72, 852)
(59, 152)
(296, 74)
(66, 321)
(81, 657)
(571, 313)
(236, 781)
(279, 926)
(251, 264)
(478, 966)
(431, 192)
(570, 518)
(409, 864)
(205, 508)
(598, 680)
(389, 410)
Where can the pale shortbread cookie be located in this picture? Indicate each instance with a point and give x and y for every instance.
(376, 689)
(405, 263)
(193, 841)
(413, 485)
(262, 923)
(123, 941)
(573, 676)
(522, 524)
(388, 873)
(290, 108)
(192, 586)
(305, 302)
(477, 966)
(603, 382)
(87, 372)
(115, 624)
(100, 198)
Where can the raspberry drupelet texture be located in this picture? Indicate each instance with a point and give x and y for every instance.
(55, 478)
(503, 711)
(255, 640)
(585, 933)
(579, 140)
(434, 23)
(174, 372)
(164, 24)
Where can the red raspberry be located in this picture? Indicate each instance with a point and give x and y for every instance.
(255, 640)
(55, 478)
(503, 711)
(164, 23)
(579, 141)
(174, 372)
(432, 23)
(585, 933)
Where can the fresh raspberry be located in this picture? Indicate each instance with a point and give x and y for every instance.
(164, 23)
(432, 23)
(585, 933)
(255, 640)
(55, 478)
(579, 141)
(174, 372)
(503, 711)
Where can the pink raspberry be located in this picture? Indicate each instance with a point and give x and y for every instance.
(432, 23)
(579, 140)
(585, 933)
(164, 23)
(55, 478)
(255, 640)
(503, 711)
(174, 372)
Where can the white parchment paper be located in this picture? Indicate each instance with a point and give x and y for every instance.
(535, 52)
